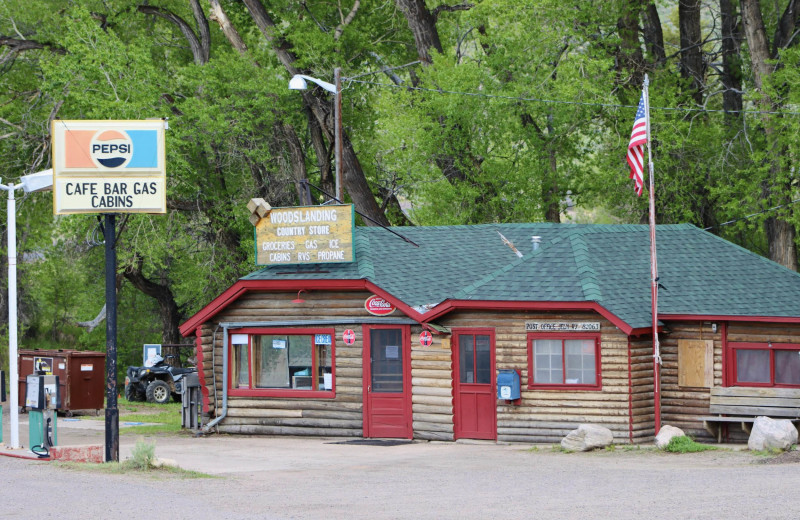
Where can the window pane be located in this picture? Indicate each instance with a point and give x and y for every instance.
(386, 351)
(752, 366)
(548, 361)
(466, 358)
(240, 364)
(580, 362)
(271, 362)
(325, 371)
(787, 367)
(483, 359)
(301, 370)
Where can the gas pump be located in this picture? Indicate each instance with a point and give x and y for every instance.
(42, 397)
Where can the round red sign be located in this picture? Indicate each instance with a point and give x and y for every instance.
(349, 337)
(425, 338)
(378, 306)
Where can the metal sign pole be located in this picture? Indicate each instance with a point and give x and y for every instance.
(112, 413)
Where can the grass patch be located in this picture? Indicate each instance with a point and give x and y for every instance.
(768, 453)
(166, 416)
(125, 467)
(143, 460)
(684, 444)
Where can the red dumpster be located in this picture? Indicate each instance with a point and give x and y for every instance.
(81, 376)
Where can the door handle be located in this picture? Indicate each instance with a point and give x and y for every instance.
(369, 388)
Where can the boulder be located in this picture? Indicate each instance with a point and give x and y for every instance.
(665, 434)
(771, 434)
(587, 437)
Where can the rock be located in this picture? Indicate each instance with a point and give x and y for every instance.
(771, 434)
(161, 463)
(665, 434)
(587, 437)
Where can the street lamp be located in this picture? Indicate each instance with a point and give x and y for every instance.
(41, 181)
(298, 82)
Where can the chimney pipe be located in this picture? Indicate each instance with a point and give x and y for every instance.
(536, 240)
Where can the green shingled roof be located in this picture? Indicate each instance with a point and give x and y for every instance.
(608, 264)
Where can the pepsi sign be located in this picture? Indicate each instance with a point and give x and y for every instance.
(109, 166)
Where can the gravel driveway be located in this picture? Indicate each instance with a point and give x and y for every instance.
(296, 478)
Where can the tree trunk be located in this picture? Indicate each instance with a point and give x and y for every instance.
(629, 58)
(423, 26)
(653, 35)
(170, 315)
(691, 51)
(731, 65)
(780, 233)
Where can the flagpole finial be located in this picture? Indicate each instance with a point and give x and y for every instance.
(646, 80)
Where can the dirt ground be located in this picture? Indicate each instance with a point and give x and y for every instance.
(318, 478)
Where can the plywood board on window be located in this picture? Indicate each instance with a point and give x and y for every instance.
(695, 363)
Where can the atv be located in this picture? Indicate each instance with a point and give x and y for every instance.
(156, 381)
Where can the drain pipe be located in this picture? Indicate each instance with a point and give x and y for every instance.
(225, 349)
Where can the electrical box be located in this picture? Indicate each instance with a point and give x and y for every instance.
(42, 392)
(508, 385)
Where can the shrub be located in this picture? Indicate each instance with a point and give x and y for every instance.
(684, 444)
(142, 456)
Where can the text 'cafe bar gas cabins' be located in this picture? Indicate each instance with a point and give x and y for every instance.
(304, 350)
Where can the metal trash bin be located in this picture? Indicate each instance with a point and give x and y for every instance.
(81, 376)
(190, 402)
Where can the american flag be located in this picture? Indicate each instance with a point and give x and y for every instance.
(636, 147)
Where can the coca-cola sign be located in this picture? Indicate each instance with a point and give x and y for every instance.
(378, 306)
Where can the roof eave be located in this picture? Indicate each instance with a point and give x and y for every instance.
(448, 306)
(243, 286)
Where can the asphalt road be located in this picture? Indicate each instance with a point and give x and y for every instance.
(315, 478)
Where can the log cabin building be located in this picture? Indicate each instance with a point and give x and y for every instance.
(407, 341)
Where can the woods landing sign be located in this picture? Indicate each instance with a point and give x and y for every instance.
(109, 167)
(305, 235)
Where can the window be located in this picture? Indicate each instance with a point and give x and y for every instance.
(558, 361)
(764, 364)
(475, 358)
(282, 362)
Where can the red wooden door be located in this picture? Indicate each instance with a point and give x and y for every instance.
(387, 382)
(475, 386)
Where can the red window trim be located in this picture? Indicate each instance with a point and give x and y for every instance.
(275, 392)
(532, 336)
(729, 360)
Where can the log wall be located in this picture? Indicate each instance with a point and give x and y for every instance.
(432, 387)
(340, 416)
(641, 404)
(681, 406)
(547, 416)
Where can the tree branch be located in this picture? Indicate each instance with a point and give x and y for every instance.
(92, 324)
(17, 45)
(450, 8)
(200, 58)
(346, 21)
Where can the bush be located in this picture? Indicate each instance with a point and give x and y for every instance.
(684, 444)
(143, 456)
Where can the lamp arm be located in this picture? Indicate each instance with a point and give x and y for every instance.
(330, 87)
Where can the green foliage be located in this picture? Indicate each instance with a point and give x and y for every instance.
(143, 455)
(685, 444)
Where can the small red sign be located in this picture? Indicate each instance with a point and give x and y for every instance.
(349, 337)
(378, 306)
(425, 338)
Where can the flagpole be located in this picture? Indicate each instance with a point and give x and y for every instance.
(653, 268)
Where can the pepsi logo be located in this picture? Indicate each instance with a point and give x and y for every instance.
(111, 149)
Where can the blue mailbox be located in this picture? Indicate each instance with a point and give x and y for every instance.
(508, 385)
